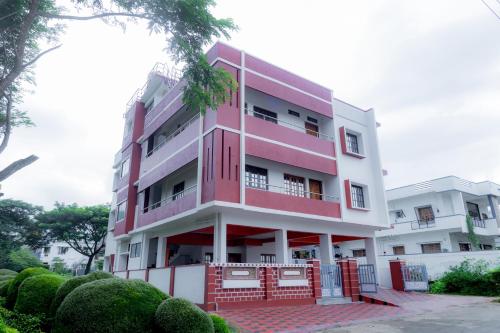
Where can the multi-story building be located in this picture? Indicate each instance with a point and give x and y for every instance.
(63, 253)
(281, 166)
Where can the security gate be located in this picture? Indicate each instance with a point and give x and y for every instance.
(367, 278)
(331, 281)
(415, 277)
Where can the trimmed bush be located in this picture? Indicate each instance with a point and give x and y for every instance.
(109, 305)
(36, 293)
(4, 287)
(14, 286)
(4, 271)
(72, 284)
(220, 324)
(6, 329)
(23, 323)
(438, 287)
(177, 315)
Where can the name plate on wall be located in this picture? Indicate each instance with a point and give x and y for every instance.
(292, 273)
(240, 277)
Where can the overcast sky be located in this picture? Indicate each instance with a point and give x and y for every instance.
(430, 69)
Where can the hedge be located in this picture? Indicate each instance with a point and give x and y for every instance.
(220, 324)
(4, 287)
(177, 315)
(109, 305)
(72, 284)
(14, 286)
(6, 329)
(23, 323)
(4, 271)
(36, 293)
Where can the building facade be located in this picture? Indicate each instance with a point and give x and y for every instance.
(281, 167)
(61, 252)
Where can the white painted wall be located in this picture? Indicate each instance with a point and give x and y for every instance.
(71, 258)
(190, 283)
(160, 278)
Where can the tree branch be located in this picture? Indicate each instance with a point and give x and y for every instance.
(6, 133)
(93, 17)
(41, 54)
(16, 166)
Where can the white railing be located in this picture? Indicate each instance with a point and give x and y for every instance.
(291, 191)
(295, 127)
(173, 134)
(169, 199)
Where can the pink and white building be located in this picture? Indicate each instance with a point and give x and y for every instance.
(224, 208)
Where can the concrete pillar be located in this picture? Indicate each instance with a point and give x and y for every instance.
(220, 240)
(144, 251)
(281, 243)
(161, 252)
(326, 249)
(371, 255)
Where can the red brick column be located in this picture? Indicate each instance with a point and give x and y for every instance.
(210, 284)
(396, 274)
(354, 280)
(346, 281)
(316, 278)
(268, 288)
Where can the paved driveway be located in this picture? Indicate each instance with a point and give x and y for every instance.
(477, 318)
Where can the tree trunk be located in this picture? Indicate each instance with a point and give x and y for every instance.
(89, 264)
(16, 166)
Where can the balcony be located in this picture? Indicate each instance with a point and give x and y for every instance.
(280, 198)
(293, 134)
(423, 224)
(168, 207)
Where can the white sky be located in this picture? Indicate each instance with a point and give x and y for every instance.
(430, 69)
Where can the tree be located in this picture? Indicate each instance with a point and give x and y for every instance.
(84, 229)
(187, 25)
(21, 259)
(18, 227)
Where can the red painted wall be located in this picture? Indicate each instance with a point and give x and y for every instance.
(167, 210)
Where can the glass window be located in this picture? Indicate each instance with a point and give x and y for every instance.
(359, 253)
(255, 177)
(121, 211)
(352, 143)
(178, 191)
(294, 113)
(125, 168)
(135, 250)
(294, 185)
(486, 247)
(398, 250)
(357, 196)
(265, 114)
(46, 251)
(425, 214)
(464, 247)
(431, 248)
(400, 214)
(62, 250)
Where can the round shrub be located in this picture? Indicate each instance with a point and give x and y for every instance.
(73, 283)
(177, 315)
(23, 275)
(4, 271)
(109, 305)
(4, 287)
(36, 293)
(220, 324)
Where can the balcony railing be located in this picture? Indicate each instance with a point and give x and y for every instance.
(292, 192)
(295, 127)
(169, 199)
(173, 134)
(478, 222)
(423, 224)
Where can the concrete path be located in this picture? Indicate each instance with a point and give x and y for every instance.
(477, 318)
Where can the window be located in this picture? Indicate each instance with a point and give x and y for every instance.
(352, 143)
(431, 248)
(46, 251)
(255, 177)
(359, 253)
(473, 210)
(135, 250)
(209, 257)
(125, 168)
(312, 129)
(294, 185)
(398, 250)
(425, 214)
(62, 250)
(485, 247)
(294, 113)
(400, 214)
(315, 189)
(464, 247)
(121, 211)
(178, 191)
(357, 196)
(265, 114)
(312, 120)
(268, 258)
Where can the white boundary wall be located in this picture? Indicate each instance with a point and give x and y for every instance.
(189, 283)
(140, 275)
(436, 263)
(160, 278)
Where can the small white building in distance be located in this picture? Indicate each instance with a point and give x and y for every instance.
(72, 259)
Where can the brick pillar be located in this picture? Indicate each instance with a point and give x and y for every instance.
(346, 281)
(316, 278)
(354, 280)
(210, 284)
(396, 274)
(269, 283)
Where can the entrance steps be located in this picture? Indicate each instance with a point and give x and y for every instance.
(334, 300)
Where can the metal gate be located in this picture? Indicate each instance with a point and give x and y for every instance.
(331, 281)
(415, 277)
(367, 278)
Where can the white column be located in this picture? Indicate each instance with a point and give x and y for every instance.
(161, 252)
(220, 240)
(281, 243)
(144, 251)
(326, 249)
(371, 255)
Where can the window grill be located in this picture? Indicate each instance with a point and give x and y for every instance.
(357, 195)
(256, 177)
(294, 185)
(352, 143)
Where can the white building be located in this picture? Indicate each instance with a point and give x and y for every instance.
(61, 250)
